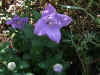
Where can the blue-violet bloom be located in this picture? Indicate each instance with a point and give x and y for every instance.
(17, 22)
(50, 23)
(57, 68)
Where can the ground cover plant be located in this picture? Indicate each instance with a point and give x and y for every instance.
(49, 37)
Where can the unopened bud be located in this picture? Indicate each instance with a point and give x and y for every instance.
(11, 65)
(57, 68)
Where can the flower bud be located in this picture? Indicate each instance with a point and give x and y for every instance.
(11, 65)
(57, 68)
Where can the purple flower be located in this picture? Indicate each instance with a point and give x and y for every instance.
(57, 68)
(17, 22)
(50, 23)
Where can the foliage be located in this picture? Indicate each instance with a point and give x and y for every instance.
(78, 50)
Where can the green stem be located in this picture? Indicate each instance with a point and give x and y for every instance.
(78, 8)
(81, 56)
(89, 4)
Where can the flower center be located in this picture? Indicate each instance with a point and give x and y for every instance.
(51, 22)
(18, 22)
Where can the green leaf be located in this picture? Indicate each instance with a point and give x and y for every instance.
(42, 65)
(24, 65)
(29, 74)
(14, 73)
(36, 15)
(28, 31)
(5, 45)
(98, 20)
(50, 61)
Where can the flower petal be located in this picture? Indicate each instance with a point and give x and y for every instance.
(54, 35)
(25, 20)
(63, 20)
(16, 17)
(9, 22)
(48, 10)
(13, 25)
(20, 26)
(40, 27)
(21, 22)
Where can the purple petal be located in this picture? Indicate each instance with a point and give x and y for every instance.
(25, 20)
(21, 22)
(63, 20)
(9, 22)
(48, 10)
(40, 28)
(51, 18)
(54, 35)
(16, 17)
(13, 25)
(20, 26)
